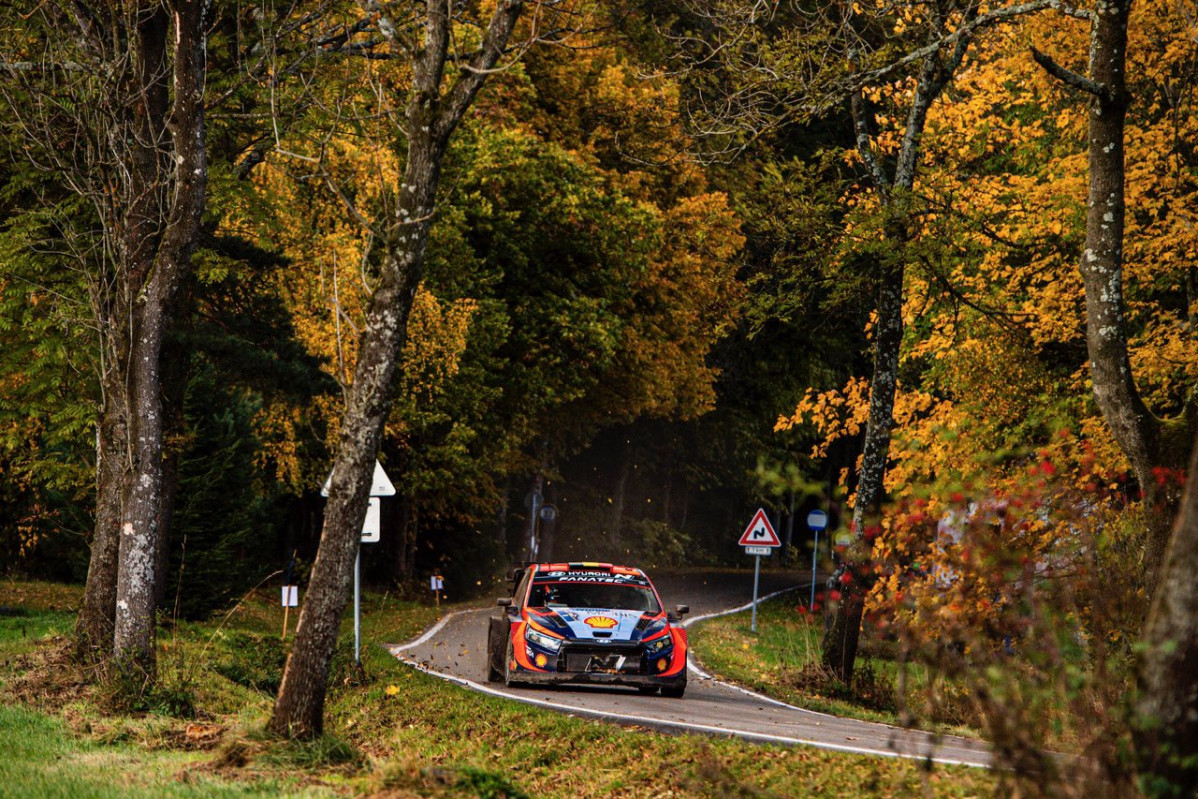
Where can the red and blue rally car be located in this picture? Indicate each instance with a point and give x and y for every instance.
(587, 623)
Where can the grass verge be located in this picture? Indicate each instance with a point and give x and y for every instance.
(392, 732)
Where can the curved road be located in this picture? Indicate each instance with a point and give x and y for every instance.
(455, 650)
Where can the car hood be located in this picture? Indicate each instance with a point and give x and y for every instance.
(595, 624)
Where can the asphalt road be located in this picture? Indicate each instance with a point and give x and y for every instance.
(456, 650)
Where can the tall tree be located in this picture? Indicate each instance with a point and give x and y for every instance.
(110, 101)
(1166, 731)
(1149, 442)
(423, 36)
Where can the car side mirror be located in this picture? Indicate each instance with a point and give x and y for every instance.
(504, 602)
(682, 610)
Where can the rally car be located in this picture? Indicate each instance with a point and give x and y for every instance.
(587, 623)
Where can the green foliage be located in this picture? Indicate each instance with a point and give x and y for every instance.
(221, 518)
(48, 355)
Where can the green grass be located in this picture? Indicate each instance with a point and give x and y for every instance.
(389, 730)
(781, 660)
(30, 611)
(44, 758)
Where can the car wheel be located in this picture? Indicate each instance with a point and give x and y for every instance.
(507, 666)
(647, 690)
(674, 691)
(494, 674)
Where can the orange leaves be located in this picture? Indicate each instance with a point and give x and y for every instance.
(435, 343)
(835, 414)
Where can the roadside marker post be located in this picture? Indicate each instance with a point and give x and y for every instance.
(290, 600)
(380, 486)
(290, 595)
(816, 520)
(758, 539)
(436, 584)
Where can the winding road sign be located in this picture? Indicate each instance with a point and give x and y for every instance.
(760, 533)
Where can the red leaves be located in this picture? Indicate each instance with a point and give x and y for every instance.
(1163, 476)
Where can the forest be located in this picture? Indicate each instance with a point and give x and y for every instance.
(926, 264)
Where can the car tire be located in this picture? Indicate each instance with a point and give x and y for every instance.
(647, 690)
(674, 691)
(507, 666)
(494, 673)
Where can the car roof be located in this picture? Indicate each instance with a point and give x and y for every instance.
(588, 572)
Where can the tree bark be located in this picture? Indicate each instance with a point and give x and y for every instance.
(1166, 730)
(299, 708)
(840, 641)
(1147, 442)
(94, 627)
(163, 600)
(433, 112)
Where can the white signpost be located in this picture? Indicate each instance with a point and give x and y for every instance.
(758, 539)
(380, 486)
(816, 520)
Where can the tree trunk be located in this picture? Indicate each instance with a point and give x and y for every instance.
(840, 641)
(1147, 442)
(1166, 730)
(403, 566)
(133, 642)
(617, 502)
(138, 104)
(94, 627)
(164, 600)
(936, 69)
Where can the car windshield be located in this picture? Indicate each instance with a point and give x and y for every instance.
(594, 595)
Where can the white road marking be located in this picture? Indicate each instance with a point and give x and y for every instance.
(436, 628)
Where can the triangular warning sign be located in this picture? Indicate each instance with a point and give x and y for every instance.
(759, 533)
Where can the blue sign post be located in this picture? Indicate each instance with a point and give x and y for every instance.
(816, 520)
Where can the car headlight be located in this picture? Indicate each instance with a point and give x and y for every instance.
(654, 647)
(542, 640)
(654, 628)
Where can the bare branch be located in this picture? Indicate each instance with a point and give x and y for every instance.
(1071, 78)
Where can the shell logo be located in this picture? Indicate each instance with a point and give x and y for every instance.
(600, 622)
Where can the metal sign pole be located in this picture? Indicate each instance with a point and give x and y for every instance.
(357, 604)
(381, 486)
(756, 579)
(816, 520)
(814, 556)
